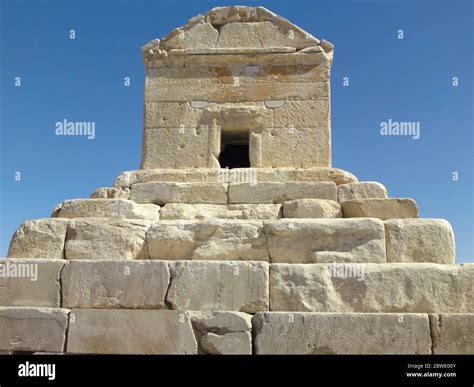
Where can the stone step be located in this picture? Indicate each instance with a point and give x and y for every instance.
(279, 241)
(238, 175)
(240, 286)
(129, 331)
(371, 288)
(380, 208)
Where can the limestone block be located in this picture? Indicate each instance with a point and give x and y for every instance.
(33, 329)
(41, 238)
(372, 288)
(104, 238)
(115, 284)
(198, 175)
(168, 192)
(452, 333)
(311, 208)
(262, 34)
(270, 73)
(214, 239)
(30, 282)
(175, 148)
(108, 208)
(361, 190)
(338, 333)
(237, 343)
(419, 240)
(244, 92)
(296, 147)
(223, 15)
(231, 286)
(380, 208)
(173, 211)
(325, 240)
(275, 192)
(223, 332)
(111, 193)
(194, 35)
(303, 114)
(111, 331)
(171, 115)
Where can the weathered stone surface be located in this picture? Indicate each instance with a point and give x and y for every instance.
(361, 190)
(173, 211)
(337, 333)
(175, 148)
(42, 238)
(134, 332)
(211, 175)
(304, 147)
(261, 34)
(236, 343)
(214, 239)
(240, 93)
(280, 192)
(194, 35)
(325, 240)
(30, 282)
(311, 208)
(166, 192)
(111, 193)
(104, 238)
(372, 288)
(222, 322)
(303, 114)
(380, 208)
(107, 208)
(33, 329)
(115, 284)
(452, 333)
(233, 286)
(419, 240)
(223, 332)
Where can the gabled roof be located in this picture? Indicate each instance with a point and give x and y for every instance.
(229, 29)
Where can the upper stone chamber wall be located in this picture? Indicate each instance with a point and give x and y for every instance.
(237, 87)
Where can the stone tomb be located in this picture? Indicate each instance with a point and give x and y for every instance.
(279, 253)
(247, 90)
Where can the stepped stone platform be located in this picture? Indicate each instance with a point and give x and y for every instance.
(237, 236)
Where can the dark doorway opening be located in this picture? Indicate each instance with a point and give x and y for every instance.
(235, 150)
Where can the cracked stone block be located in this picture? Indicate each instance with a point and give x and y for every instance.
(380, 208)
(452, 333)
(185, 211)
(372, 288)
(223, 332)
(230, 286)
(30, 282)
(111, 193)
(361, 190)
(209, 240)
(341, 333)
(274, 192)
(41, 238)
(420, 240)
(33, 329)
(127, 331)
(104, 238)
(325, 240)
(312, 208)
(115, 284)
(107, 208)
(169, 192)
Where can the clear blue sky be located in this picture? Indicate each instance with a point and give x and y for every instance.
(389, 78)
